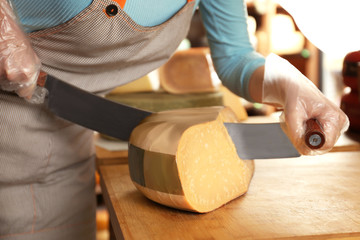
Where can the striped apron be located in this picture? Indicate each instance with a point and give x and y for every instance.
(46, 163)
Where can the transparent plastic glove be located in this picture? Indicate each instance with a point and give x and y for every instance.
(19, 65)
(301, 100)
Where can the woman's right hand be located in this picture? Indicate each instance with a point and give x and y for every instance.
(286, 86)
(19, 64)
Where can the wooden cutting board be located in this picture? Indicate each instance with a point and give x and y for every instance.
(302, 198)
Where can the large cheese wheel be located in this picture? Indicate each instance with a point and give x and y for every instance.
(189, 71)
(186, 159)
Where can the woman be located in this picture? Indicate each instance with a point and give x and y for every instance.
(47, 167)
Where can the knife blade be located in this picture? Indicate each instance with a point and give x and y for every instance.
(252, 141)
(260, 141)
(89, 110)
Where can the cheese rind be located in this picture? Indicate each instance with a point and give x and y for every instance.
(188, 153)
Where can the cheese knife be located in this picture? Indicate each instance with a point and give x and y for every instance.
(252, 141)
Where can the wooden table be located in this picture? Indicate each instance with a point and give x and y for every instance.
(299, 198)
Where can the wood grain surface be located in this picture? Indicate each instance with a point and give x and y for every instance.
(300, 198)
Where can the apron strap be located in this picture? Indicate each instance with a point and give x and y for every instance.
(121, 3)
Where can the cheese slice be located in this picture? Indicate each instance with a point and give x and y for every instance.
(189, 71)
(186, 159)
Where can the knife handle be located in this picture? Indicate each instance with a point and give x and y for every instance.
(40, 92)
(314, 135)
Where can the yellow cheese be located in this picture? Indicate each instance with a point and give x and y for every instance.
(147, 83)
(189, 71)
(234, 101)
(186, 159)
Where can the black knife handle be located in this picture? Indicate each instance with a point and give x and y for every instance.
(314, 136)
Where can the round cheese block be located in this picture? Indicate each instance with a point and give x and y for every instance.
(186, 159)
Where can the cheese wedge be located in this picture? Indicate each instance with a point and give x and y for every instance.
(189, 71)
(186, 159)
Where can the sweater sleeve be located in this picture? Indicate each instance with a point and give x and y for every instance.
(40, 14)
(233, 55)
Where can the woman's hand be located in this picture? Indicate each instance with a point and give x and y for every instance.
(19, 65)
(284, 85)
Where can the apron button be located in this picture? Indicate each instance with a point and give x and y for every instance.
(111, 10)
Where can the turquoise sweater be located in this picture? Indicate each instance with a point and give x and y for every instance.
(225, 22)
